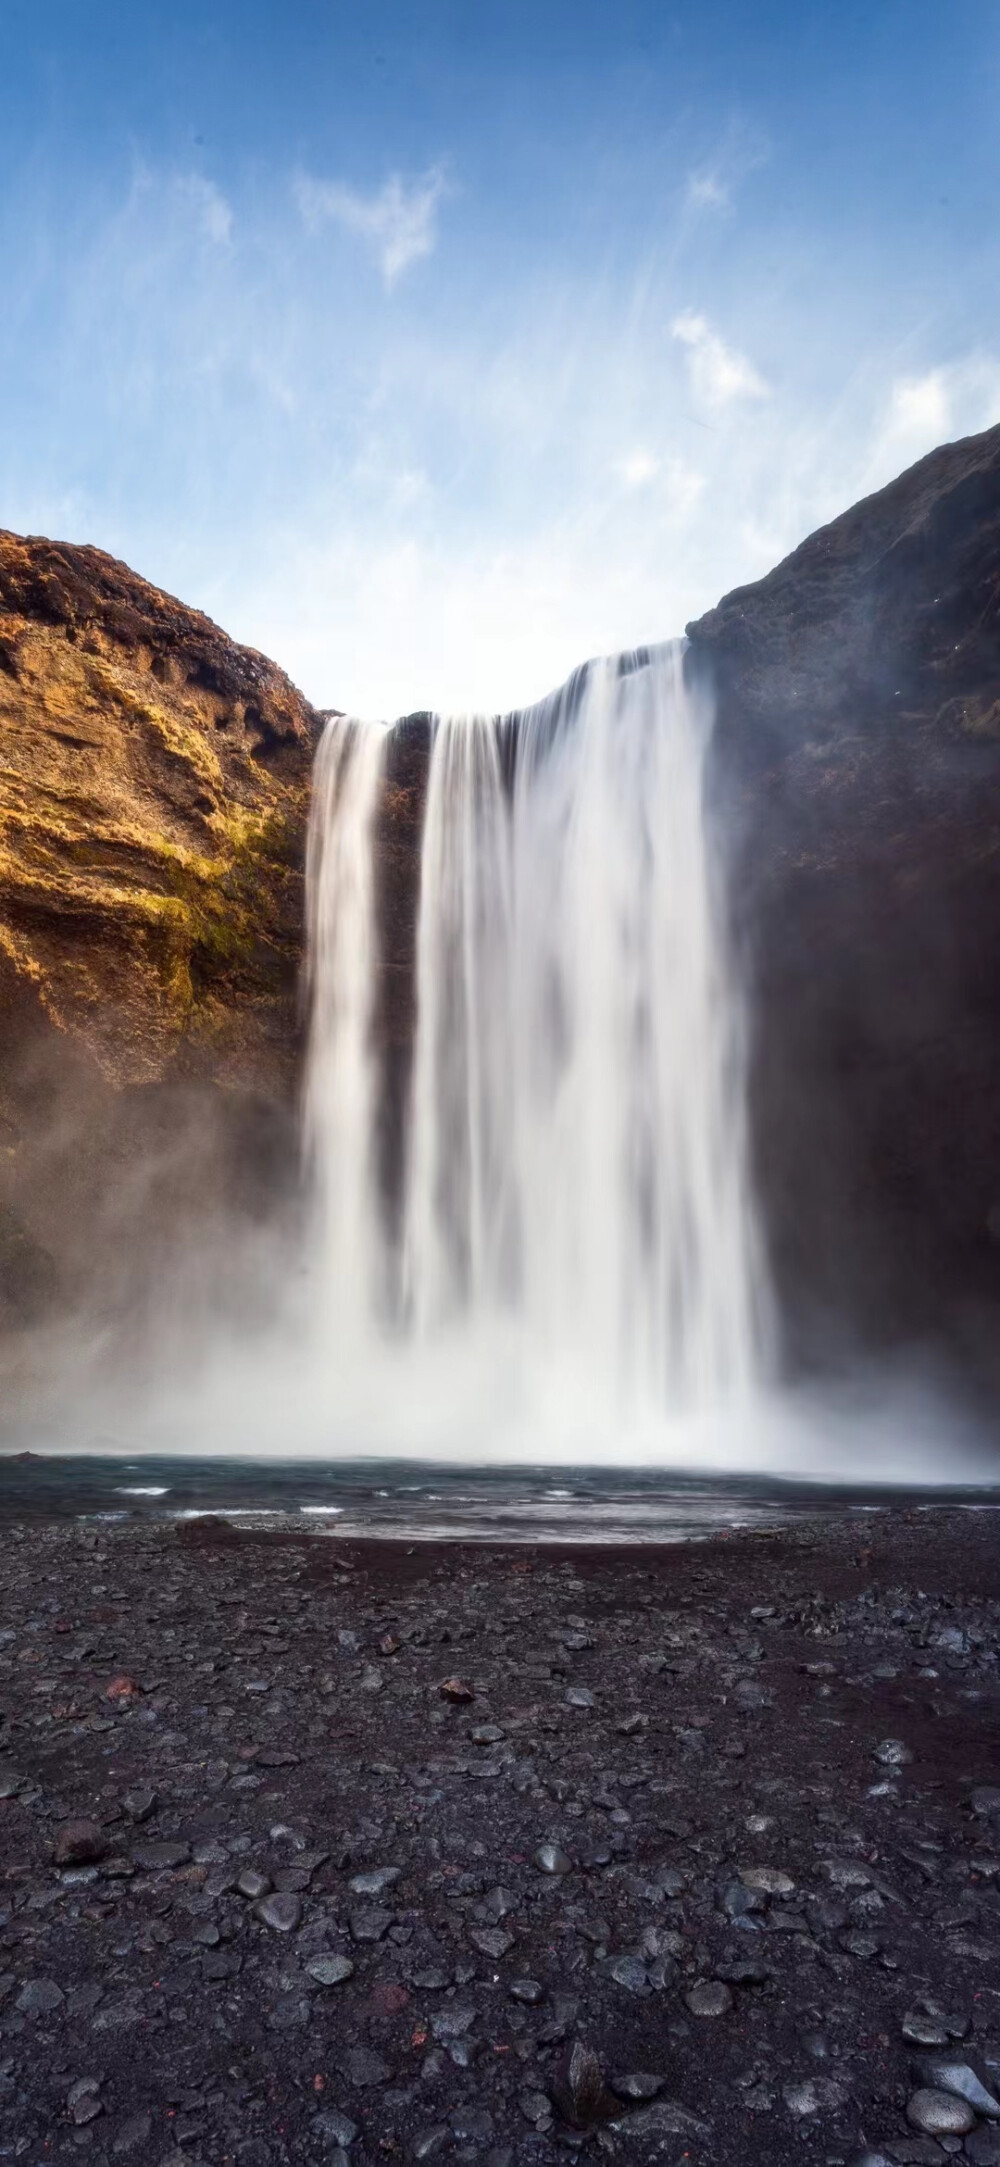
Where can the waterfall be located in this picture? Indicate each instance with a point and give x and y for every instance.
(341, 1075)
(575, 1177)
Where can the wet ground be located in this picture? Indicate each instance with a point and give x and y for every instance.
(328, 1849)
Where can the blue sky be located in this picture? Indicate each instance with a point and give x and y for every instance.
(433, 347)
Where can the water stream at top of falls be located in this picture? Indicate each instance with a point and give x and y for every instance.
(575, 1185)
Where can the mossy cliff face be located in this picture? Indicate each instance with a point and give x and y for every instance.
(154, 782)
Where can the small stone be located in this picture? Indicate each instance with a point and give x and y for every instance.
(920, 2030)
(985, 1801)
(939, 2114)
(629, 1972)
(528, 1991)
(663, 2118)
(549, 1859)
(376, 1882)
(744, 1971)
(637, 2084)
(370, 1924)
(282, 1912)
(892, 1753)
(79, 1843)
(335, 2127)
(430, 2142)
(580, 1696)
(801, 2099)
(486, 1734)
(39, 1998)
(331, 1971)
(951, 2073)
(491, 1941)
(140, 1805)
(156, 1858)
(739, 1902)
(456, 1690)
(767, 1881)
(581, 2093)
(11, 1783)
(122, 1688)
(846, 1874)
(82, 2101)
(252, 1884)
(709, 1998)
(453, 2021)
(496, 1904)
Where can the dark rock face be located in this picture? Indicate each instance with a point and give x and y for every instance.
(858, 762)
(398, 836)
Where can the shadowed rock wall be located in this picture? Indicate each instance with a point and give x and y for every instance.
(857, 759)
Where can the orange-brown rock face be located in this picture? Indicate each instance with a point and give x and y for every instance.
(154, 782)
(153, 791)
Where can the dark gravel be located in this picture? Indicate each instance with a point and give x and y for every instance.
(347, 1852)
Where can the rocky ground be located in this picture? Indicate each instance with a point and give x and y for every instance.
(324, 1851)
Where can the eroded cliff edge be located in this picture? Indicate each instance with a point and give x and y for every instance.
(154, 785)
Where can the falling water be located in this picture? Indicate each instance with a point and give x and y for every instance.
(341, 1080)
(575, 1183)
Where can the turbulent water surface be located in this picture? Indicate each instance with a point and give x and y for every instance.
(413, 1501)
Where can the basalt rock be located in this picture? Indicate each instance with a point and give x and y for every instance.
(857, 763)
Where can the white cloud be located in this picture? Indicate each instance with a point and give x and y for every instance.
(638, 468)
(708, 192)
(213, 213)
(956, 399)
(951, 401)
(718, 373)
(399, 221)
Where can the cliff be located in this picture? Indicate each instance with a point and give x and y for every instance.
(154, 785)
(153, 802)
(857, 763)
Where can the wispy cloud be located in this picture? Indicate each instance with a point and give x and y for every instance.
(398, 221)
(958, 398)
(213, 214)
(719, 374)
(708, 191)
